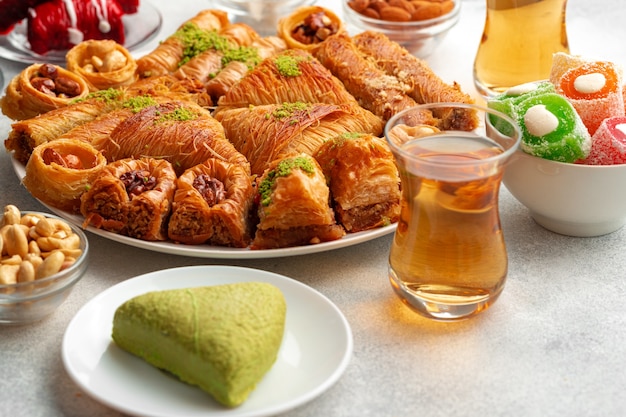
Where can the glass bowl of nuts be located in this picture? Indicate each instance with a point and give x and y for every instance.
(417, 25)
(43, 257)
(261, 15)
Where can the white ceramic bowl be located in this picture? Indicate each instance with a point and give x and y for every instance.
(570, 199)
(28, 302)
(420, 37)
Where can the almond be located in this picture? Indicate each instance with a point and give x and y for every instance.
(403, 4)
(447, 6)
(378, 5)
(371, 13)
(426, 11)
(402, 10)
(359, 5)
(395, 14)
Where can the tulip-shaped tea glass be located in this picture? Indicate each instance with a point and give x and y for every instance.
(448, 259)
(518, 41)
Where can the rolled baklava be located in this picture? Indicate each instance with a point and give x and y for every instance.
(131, 197)
(212, 204)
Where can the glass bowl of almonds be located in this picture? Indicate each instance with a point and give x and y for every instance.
(417, 25)
(43, 257)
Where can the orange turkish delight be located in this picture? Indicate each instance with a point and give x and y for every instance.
(595, 91)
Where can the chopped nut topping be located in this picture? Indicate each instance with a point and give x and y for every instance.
(136, 182)
(315, 28)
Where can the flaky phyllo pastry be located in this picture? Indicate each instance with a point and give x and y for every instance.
(58, 172)
(294, 205)
(207, 63)
(132, 197)
(180, 132)
(25, 135)
(375, 90)
(424, 85)
(102, 64)
(97, 132)
(219, 84)
(266, 133)
(226, 56)
(294, 76)
(212, 204)
(173, 51)
(33, 92)
(363, 180)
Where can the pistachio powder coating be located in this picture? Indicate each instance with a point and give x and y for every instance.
(289, 66)
(283, 169)
(197, 41)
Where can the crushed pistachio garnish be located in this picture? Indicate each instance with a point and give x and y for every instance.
(287, 110)
(351, 135)
(108, 95)
(288, 66)
(346, 136)
(247, 54)
(196, 41)
(179, 114)
(138, 103)
(283, 169)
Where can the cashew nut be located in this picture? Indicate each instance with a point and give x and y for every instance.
(33, 246)
(31, 219)
(36, 260)
(13, 260)
(8, 274)
(26, 272)
(11, 215)
(44, 228)
(51, 265)
(48, 244)
(16, 241)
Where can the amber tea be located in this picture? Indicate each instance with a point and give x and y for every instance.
(448, 247)
(518, 41)
(448, 258)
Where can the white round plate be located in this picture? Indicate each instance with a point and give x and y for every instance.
(139, 28)
(316, 349)
(208, 251)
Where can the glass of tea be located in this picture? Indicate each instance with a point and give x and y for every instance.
(517, 44)
(448, 259)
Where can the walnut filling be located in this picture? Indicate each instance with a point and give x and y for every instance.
(315, 28)
(136, 182)
(211, 189)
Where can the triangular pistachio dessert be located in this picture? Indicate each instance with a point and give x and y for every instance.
(221, 338)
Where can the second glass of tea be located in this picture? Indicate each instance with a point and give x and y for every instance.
(448, 259)
(518, 41)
